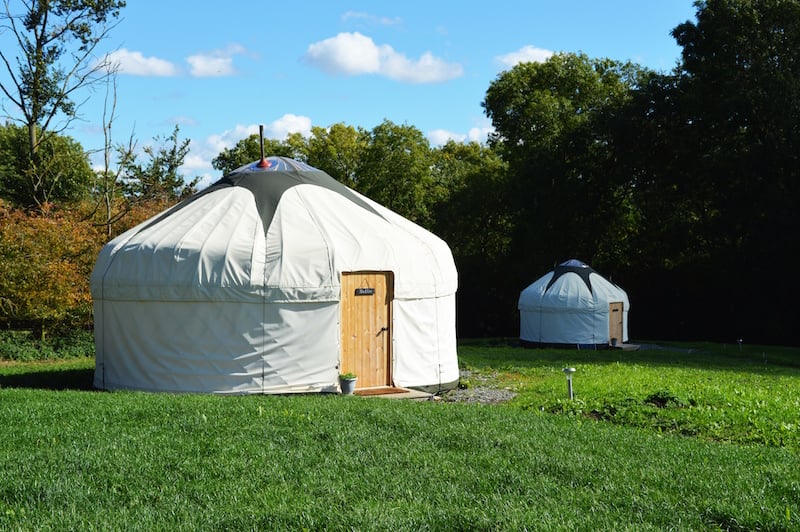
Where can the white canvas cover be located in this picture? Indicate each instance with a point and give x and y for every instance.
(237, 289)
(570, 305)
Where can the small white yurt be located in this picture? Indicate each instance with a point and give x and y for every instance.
(574, 306)
(275, 279)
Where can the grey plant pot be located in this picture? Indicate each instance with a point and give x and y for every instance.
(348, 386)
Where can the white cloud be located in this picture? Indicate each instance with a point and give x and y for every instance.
(439, 137)
(203, 151)
(347, 53)
(206, 179)
(372, 19)
(213, 145)
(193, 163)
(278, 129)
(480, 134)
(217, 63)
(524, 55)
(288, 123)
(428, 69)
(196, 165)
(353, 54)
(134, 63)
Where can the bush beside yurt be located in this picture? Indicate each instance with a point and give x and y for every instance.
(275, 279)
(573, 306)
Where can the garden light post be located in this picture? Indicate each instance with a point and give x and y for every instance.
(568, 372)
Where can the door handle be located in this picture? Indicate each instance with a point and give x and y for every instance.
(383, 329)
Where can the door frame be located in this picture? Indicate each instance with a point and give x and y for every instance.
(366, 327)
(616, 322)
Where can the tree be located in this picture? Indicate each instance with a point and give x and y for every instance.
(740, 84)
(716, 176)
(43, 82)
(158, 178)
(473, 214)
(60, 156)
(552, 125)
(395, 171)
(109, 186)
(474, 217)
(46, 259)
(337, 150)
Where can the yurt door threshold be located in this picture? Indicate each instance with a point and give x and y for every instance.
(366, 303)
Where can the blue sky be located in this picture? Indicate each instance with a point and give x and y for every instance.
(221, 69)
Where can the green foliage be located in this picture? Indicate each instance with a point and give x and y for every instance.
(536, 108)
(678, 184)
(552, 125)
(87, 460)
(561, 193)
(715, 168)
(54, 60)
(27, 345)
(390, 164)
(42, 86)
(158, 178)
(395, 171)
(63, 174)
(472, 215)
(338, 151)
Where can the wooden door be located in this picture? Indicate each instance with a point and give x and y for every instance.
(615, 323)
(366, 327)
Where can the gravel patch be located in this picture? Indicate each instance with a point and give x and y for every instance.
(479, 391)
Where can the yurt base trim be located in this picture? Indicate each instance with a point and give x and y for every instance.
(436, 389)
(282, 390)
(545, 345)
(432, 389)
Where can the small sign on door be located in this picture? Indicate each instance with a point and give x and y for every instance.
(365, 291)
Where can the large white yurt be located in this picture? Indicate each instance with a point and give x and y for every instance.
(275, 279)
(573, 305)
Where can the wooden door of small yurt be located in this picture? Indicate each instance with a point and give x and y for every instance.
(366, 327)
(615, 317)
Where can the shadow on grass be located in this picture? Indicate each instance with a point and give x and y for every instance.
(65, 379)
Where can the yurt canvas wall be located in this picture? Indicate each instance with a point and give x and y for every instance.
(573, 305)
(275, 279)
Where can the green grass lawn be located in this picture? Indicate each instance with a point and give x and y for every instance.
(76, 459)
(713, 392)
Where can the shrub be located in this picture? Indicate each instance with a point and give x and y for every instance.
(26, 345)
(664, 399)
(46, 259)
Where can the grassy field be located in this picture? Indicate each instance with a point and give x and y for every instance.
(714, 392)
(654, 440)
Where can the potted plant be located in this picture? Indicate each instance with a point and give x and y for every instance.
(347, 382)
